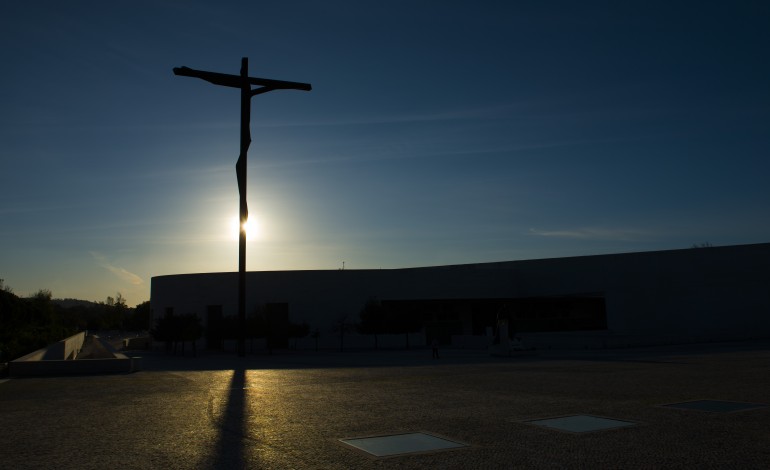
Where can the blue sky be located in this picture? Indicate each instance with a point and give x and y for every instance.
(437, 132)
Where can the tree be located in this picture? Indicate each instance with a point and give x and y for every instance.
(121, 309)
(315, 335)
(116, 312)
(12, 320)
(75, 316)
(406, 321)
(342, 325)
(373, 319)
(42, 308)
(164, 330)
(190, 329)
(174, 329)
(139, 319)
(27, 324)
(297, 331)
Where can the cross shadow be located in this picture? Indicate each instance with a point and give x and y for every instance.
(229, 451)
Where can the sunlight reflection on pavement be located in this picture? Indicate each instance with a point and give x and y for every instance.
(218, 412)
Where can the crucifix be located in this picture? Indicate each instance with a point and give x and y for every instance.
(244, 83)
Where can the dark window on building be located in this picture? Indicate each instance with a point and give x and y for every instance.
(441, 318)
(277, 321)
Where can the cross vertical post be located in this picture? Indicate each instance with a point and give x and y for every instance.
(242, 206)
(244, 83)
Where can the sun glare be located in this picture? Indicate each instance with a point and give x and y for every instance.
(251, 226)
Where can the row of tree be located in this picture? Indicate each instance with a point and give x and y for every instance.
(33, 322)
(373, 319)
(112, 314)
(178, 329)
(27, 324)
(376, 319)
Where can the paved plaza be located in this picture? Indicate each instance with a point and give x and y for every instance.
(295, 410)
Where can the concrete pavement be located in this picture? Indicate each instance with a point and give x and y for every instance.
(290, 410)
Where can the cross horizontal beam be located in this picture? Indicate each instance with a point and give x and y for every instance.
(236, 81)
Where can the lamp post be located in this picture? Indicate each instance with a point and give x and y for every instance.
(244, 83)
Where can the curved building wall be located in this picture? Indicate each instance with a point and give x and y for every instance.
(705, 291)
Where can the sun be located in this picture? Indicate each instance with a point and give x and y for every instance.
(251, 225)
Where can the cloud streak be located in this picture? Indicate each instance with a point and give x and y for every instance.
(588, 233)
(121, 273)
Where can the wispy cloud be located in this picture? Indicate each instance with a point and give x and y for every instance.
(483, 112)
(121, 273)
(191, 172)
(410, 152)
(594, 234)
(15, 207)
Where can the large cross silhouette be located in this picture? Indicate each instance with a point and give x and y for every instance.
(244, 82)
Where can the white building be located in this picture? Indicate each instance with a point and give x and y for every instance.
(696, 294)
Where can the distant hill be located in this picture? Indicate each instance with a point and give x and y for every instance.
(69, 303)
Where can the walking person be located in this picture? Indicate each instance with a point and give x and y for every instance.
(434, 345)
